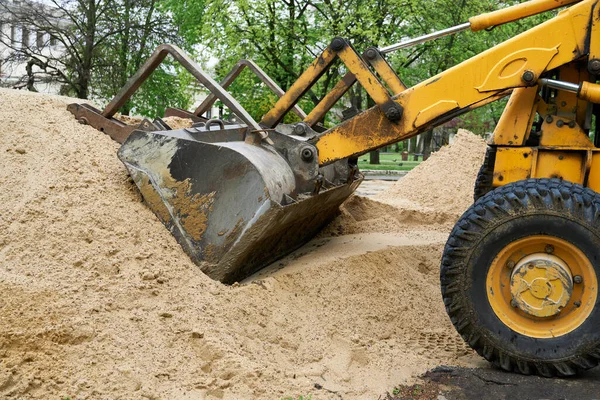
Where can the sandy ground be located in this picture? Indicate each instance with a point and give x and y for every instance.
(100, 302)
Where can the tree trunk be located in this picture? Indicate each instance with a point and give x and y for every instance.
(427, 138)
(374, 157)
(412, 145)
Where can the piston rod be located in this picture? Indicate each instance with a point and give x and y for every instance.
(485, 21)
(426, 38)
(560, 85)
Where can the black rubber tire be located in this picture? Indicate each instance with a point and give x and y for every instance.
(485, 176)
(508, 213)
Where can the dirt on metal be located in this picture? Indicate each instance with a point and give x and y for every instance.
(100, 302)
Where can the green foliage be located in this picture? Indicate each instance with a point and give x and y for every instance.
(139, 27)
(187, 16)
(388, 161)
(163, 89)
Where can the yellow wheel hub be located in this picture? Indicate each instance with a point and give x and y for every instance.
(542, 286)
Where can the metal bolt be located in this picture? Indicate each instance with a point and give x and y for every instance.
(530, 266)
(371, 53)
(510, 264)
(307, 154)
(337, 44)
(560, 123)
(572, 124)
(392, 111)
(513, 303)
(549, 119)
(594, 66)
(549, 249)
(300, 129)
(528, 76)
(577, 304)
(577, 279)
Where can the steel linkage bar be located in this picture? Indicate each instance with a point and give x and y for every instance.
(231, 77)
(192, 67)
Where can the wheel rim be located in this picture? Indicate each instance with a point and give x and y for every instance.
(541, 286)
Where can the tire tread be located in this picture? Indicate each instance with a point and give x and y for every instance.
(553, 195)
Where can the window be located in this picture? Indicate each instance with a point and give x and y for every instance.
(13, 34)
(53, 40)
(25, 37)
(39, 39)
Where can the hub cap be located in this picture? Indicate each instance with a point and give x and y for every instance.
(541, 286)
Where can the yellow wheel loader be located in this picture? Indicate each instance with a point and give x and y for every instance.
(519, 272)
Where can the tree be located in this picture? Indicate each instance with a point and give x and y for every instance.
(140, 27)
(68, 32)
(91, 48)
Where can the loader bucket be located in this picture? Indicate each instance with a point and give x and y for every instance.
(237, 195)
(234, 207)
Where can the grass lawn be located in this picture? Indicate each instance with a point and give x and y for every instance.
(388, 161)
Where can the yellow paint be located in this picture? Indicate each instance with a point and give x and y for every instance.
(590, 92)
(515, 12)
(557, 322)
(435, 110)
(363, 74)
(594, 174)
(508, 71)
(595, 37)
(298, 88)
(570, 164)
(564, 136)
(565, 165)
(388, 75)
(512, 164)
(515, 123)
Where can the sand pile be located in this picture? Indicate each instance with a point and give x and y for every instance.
(444, 182)
(99, 301)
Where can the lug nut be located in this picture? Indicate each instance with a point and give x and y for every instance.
(549, 249)
(577, 279)
(577, 304)
(510, 264)
(513, 303)
(572, 124)
(560, 123)
(549, 119)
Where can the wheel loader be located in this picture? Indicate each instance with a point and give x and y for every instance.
(519, 272)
